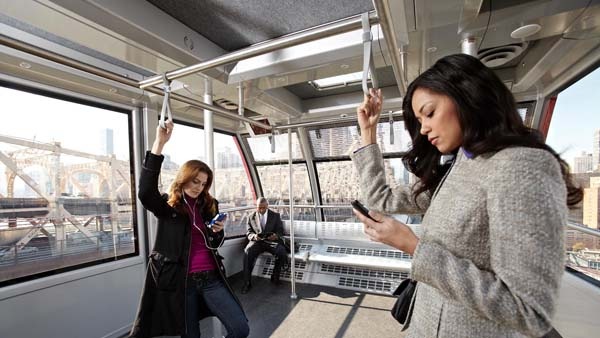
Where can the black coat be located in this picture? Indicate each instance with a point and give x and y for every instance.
(162, 306)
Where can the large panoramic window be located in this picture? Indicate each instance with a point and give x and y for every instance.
(232, 184)
(263, 149)
(575, 133)
(275, 184)
(338, 179)
(65, 185)
(335, 142)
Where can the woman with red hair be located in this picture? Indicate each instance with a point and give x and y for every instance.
(186, 279)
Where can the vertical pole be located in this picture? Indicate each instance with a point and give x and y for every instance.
(208, 129)
(241, 102)
(210, 160)
(469, 46)
(293, 295)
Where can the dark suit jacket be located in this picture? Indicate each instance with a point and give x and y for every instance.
(274, 224)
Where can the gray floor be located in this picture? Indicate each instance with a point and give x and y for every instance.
(326, 312)
(318, 312)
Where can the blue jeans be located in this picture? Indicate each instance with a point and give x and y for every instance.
(220, 302)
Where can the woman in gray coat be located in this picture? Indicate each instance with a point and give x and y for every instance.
(490, 259)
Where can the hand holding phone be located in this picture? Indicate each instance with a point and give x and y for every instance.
(218, 218)
(362, 209)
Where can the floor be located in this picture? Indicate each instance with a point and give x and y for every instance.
(326, 312)
(318, 311)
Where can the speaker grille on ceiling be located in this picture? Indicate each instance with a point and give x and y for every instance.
(499, 56)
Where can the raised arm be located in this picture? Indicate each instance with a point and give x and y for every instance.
(148, 186)
(368, 160)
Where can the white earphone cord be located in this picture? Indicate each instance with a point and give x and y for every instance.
(193, 212)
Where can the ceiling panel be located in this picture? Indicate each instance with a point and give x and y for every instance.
(235, 24)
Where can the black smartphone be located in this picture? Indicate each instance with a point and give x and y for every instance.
(361, 208)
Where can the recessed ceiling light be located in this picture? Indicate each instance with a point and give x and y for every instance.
(431, 49)
(25, 65)
(339, 79)
(525, 31)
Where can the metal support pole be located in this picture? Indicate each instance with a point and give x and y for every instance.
(469, 46)
(209, 149)
(241, 102)
(293, 295)
(352, 118)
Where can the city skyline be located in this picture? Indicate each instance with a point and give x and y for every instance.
(575, 118)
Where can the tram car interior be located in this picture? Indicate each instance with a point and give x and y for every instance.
(265, 92)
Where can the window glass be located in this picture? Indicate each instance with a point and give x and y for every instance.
(262, 151)
(65, 185)
(575, 133)
(232, 184)
(341, 141)
(338, 181)
(275, 184)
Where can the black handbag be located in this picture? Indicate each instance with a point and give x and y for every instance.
(403, 308)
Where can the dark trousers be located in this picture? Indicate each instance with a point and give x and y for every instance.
(255, 248)
(220, 302)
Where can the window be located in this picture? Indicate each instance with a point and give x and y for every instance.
(339, 185)
(275, 183)
(575, 134)
(65, 185)
(341, 141)
(232, 184)
(261, 148)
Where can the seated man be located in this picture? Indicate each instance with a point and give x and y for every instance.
(265, 233)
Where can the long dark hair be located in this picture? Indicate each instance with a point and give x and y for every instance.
(487, 114)
(188, 171)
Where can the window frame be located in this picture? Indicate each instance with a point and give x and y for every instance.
(71, 97)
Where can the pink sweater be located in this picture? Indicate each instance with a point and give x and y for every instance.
(200, 257)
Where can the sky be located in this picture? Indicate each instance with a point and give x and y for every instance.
(576, 116)
(48, 120)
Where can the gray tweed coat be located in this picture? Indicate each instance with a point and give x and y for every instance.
(490, 260)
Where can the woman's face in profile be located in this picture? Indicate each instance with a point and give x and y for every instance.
(194, 187)
(438, 118)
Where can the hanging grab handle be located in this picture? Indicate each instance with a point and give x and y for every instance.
(367, 38)
(166, 105)
(391, 127)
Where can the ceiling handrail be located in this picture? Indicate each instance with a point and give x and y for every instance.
(293, 39)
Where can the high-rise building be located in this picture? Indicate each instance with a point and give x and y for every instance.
(583, 163)
(228, 159)
(108, 138)
(591, 203)
(596, 151)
